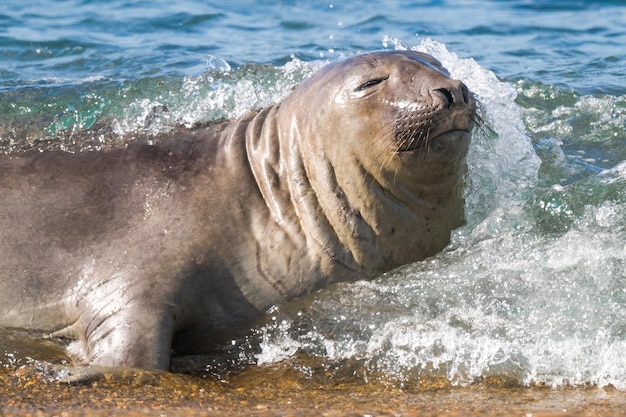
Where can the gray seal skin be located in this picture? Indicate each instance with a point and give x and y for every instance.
(359, 170)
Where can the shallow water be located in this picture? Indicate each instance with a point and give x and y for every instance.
(532, 290)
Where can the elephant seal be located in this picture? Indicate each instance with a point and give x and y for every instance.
(359, 170)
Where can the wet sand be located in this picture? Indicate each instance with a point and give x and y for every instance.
(282, 390)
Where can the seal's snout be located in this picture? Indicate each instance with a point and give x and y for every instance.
(447, 107)
(447, 95)
(454, 95)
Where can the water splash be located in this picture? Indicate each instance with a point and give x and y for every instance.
(503, 167)
(103, 113)
(532, 291)
(220, 93)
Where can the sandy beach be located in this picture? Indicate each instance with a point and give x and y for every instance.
(282, 391)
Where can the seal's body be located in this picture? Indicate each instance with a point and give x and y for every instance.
(359, 170)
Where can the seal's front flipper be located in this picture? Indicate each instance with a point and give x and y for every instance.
(81, 374)
(78, 375)
(134, 337)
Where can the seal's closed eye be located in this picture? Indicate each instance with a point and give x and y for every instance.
(371, 83)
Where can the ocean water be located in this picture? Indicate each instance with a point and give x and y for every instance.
(531, 290)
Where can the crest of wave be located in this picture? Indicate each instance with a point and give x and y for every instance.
(502, 165)
(220, 93)
(533, 294)
(502, 162)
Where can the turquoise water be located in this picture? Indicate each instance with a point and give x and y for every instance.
(532, 289)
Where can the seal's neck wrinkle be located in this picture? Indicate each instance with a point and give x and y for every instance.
(409, 221)
(278, 168)
(330, 206)
(383, 213)
(308, 197)
(264, 157)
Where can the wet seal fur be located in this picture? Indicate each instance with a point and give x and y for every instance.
(359, 170)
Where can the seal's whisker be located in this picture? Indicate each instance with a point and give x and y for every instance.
(424, 147)
(419, 139)
(381, 136)
(384, 132)
(480, 124)
(383, 159)
(482, 127)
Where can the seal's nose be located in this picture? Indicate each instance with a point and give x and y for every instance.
(454, 95)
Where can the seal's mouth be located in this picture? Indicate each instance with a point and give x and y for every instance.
(413, 141)
(447, 112)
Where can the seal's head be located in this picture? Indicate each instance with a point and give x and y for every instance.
(391, 109)
(384, 134)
